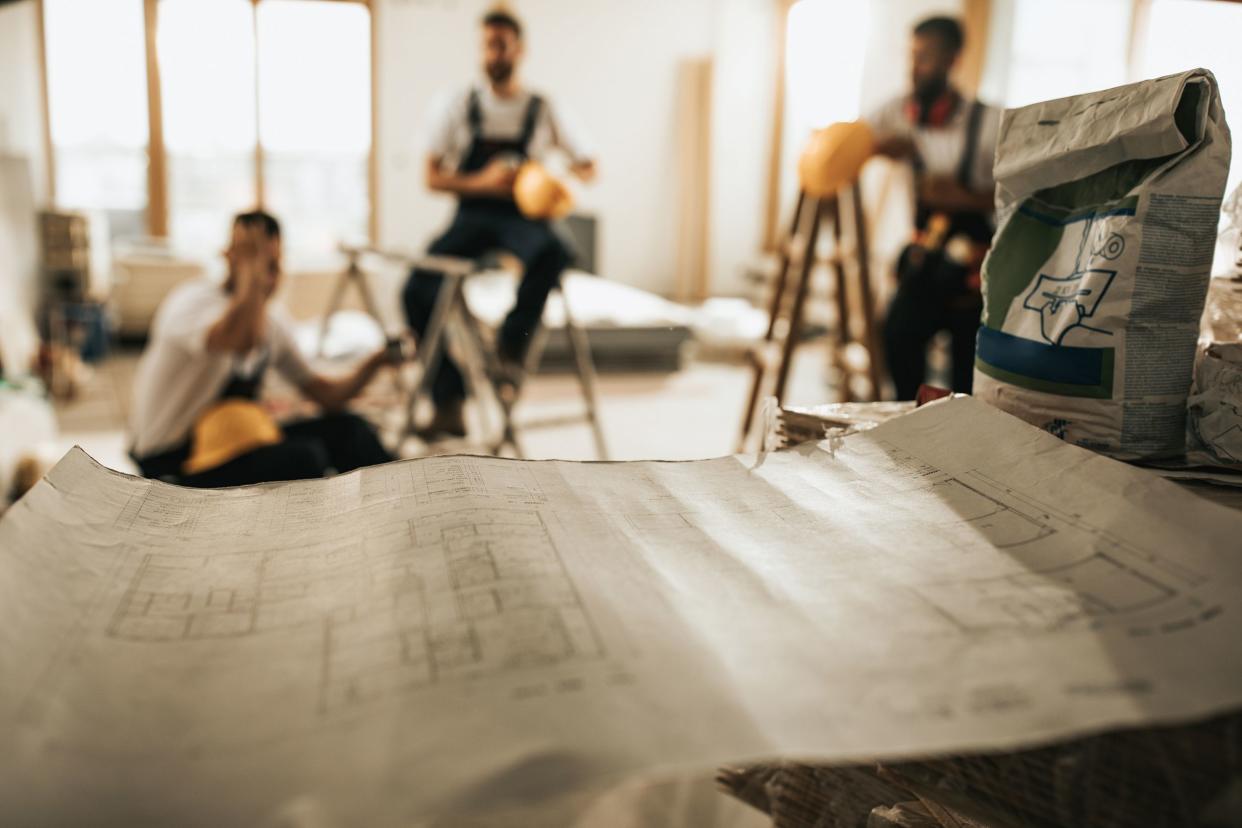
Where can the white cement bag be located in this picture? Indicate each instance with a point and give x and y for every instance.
(1107, 208)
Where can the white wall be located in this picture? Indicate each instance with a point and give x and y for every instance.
(21, 179)
(21, 112)
(744, 80)
(614, 65)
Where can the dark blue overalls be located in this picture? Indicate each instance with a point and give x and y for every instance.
(486, 224)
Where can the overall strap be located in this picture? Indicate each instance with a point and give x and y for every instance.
(531, 121)
(474, 114)
(973, 122)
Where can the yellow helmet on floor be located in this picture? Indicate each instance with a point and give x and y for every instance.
(834, 156)
(228, 430)
(539, 194)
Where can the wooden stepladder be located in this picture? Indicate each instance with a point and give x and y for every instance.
(854, 348)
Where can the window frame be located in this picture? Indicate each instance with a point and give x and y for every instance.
(157, 154)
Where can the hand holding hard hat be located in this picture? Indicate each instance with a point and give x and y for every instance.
(226, 431)
(541, 195)
(834, 156)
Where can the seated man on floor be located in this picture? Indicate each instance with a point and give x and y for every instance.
(476, 149)
(196, 420)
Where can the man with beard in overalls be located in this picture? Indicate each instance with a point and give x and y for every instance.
(949, 141)
(477, 145)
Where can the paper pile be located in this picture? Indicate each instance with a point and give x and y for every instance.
(453, 634)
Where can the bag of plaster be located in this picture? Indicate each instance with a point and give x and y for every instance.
(1107, 209)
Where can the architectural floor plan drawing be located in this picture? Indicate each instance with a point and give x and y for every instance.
(452, 634)
(459, 594)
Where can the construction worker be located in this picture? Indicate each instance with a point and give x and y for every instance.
(950, 141)
(196, 419)
(477, 146)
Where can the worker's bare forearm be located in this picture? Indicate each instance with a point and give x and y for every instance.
(240, 329)
(495, 180)
(452, 183)
(333, 394)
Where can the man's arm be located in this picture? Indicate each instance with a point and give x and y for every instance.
(334, 393)
(584, 171)
(241, 327)
(495, 180)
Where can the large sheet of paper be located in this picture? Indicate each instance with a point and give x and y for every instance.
(457, 633)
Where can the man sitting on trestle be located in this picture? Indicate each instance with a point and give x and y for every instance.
(196, 418)
(477, 146)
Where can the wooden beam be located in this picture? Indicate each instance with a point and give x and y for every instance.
(49, 150)
(772, 207)
(157, 166)
(373, 159)
(694, 87)
(1140, 22)
(976, 20)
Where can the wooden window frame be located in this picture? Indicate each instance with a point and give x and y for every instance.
(157, 153)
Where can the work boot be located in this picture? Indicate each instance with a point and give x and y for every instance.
(448, 422)
(510, 372)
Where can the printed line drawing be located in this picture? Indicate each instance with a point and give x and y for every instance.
(1063, 303)
(470, 592)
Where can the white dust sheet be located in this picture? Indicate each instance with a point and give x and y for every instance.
(419, 639)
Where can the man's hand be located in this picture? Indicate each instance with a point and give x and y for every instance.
(253, 269)
(584, 171)
(495, 179)
(333, 394)
(253, 263)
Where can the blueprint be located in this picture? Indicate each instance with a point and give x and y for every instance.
(457, 634)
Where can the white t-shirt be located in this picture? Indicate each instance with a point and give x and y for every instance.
(941, 147)
(178, 378)
(503, 119)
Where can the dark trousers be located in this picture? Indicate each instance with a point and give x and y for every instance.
(925, 303)
(475, 231)
(310, 449)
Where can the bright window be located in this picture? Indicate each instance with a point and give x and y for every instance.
(826, 47)
(206, 58)
(315, 121)
(1185, 34)
(1066, 47)
(97, 95)
(262, 101)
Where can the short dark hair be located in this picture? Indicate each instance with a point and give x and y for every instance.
(947, 30)
(504, 19)
(259, 218)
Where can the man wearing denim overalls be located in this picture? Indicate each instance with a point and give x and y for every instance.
(477, 145)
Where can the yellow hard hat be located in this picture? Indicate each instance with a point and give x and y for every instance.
(228, 430)
(834, 156)
(539, 194)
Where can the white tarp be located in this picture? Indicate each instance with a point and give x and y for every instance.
(454, 633)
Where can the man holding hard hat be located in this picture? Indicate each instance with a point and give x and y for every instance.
(196, 418)
(486, 148)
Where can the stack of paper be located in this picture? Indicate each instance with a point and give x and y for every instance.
(454, 634)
